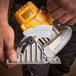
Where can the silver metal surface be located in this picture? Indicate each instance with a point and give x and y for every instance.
(45, 47)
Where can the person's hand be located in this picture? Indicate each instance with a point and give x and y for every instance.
(63, 10)
(7, 44)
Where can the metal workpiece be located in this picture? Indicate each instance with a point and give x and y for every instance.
(41, 44)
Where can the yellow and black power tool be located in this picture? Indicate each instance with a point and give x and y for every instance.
(42, 40)
(29, 15)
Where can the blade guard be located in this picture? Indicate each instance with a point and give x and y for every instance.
(47, 42)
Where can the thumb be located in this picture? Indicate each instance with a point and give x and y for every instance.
(12, 55)
(9, 44)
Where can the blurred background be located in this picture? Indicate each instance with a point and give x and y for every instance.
(17, 71)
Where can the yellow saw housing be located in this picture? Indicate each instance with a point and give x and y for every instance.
(29, 15)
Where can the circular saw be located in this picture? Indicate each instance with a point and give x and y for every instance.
(42, 40)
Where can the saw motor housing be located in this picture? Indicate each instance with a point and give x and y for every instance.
(29, 15)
